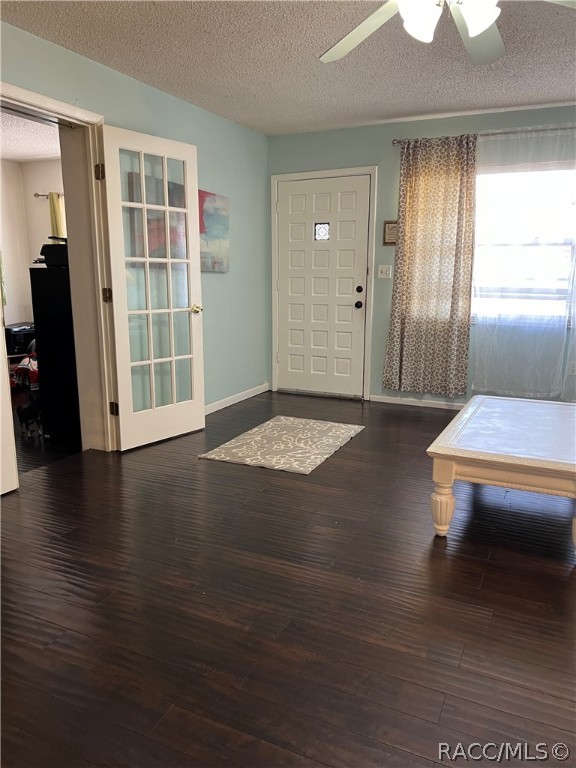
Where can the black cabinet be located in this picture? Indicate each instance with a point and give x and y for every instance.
(18, 338)
(58, 385)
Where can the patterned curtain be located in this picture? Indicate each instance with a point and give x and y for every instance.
(430, 319)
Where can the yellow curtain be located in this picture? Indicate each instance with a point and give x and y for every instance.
(429, 332)
(57, 214)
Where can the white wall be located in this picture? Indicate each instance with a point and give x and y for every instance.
(40, 176)
(24, 228)
(14, 245)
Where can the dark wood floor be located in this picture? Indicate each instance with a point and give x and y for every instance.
(161, 611)
(34, 451)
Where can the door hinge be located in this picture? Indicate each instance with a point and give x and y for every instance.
(107, 295)
(99, 172)
(114, 409)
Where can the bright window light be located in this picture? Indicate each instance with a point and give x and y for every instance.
(525, 233)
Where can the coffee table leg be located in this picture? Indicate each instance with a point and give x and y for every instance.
(442, 508)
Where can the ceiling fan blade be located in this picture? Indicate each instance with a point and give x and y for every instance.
(486, 47)
(567, 3)
(361, 32)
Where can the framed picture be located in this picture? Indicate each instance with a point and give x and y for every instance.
(390, 231)
(214, 232)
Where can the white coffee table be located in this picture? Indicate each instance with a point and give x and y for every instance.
(525, 444)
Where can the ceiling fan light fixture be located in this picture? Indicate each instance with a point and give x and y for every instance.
(479, 15)
(420, 17)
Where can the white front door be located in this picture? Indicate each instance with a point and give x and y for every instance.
(322, 281)
(152, 203)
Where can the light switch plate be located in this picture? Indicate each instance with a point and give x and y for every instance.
(385, 271)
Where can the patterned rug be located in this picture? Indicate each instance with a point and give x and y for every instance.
(294, 445)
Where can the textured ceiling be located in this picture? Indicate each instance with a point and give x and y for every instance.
(257, 62)
(26, 140)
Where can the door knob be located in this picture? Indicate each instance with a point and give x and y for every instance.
(196, 309)
(359, 289)
(358, 305)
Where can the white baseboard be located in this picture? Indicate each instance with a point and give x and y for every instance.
(414, 401)
(219, 404)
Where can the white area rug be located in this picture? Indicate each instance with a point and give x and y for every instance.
(294, 445)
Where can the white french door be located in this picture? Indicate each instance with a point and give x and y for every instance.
(152, 205)
(323, 232)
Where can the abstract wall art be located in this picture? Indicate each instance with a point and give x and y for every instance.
(214, 232)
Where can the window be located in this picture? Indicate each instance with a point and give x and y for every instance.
(525, 243)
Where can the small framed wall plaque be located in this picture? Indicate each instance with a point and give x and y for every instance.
(390, 231)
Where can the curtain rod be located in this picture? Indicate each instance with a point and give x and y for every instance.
(537, 129)
(497, 132)
(44, 119)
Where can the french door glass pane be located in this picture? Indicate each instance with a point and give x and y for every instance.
(178, 249)
(181, 322)
(163, 383)
(158, 286)
(161, 334)
(183, 379)
(156, 223)
(138, 332)
(176, 187)
(130, 178)
(153, 232)
(136, 285)
(141, 400)
(133, 233)
(154, 179)
(180, 285)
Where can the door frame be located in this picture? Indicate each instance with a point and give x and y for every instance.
(372, 172)
(31, 104)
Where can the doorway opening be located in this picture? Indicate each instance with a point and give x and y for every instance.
(136, 313)
(37, 311)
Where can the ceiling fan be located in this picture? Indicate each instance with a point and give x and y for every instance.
(475, 20)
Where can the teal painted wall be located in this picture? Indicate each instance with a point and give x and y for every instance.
(237, 162)
(372, 145)
(231, 161)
